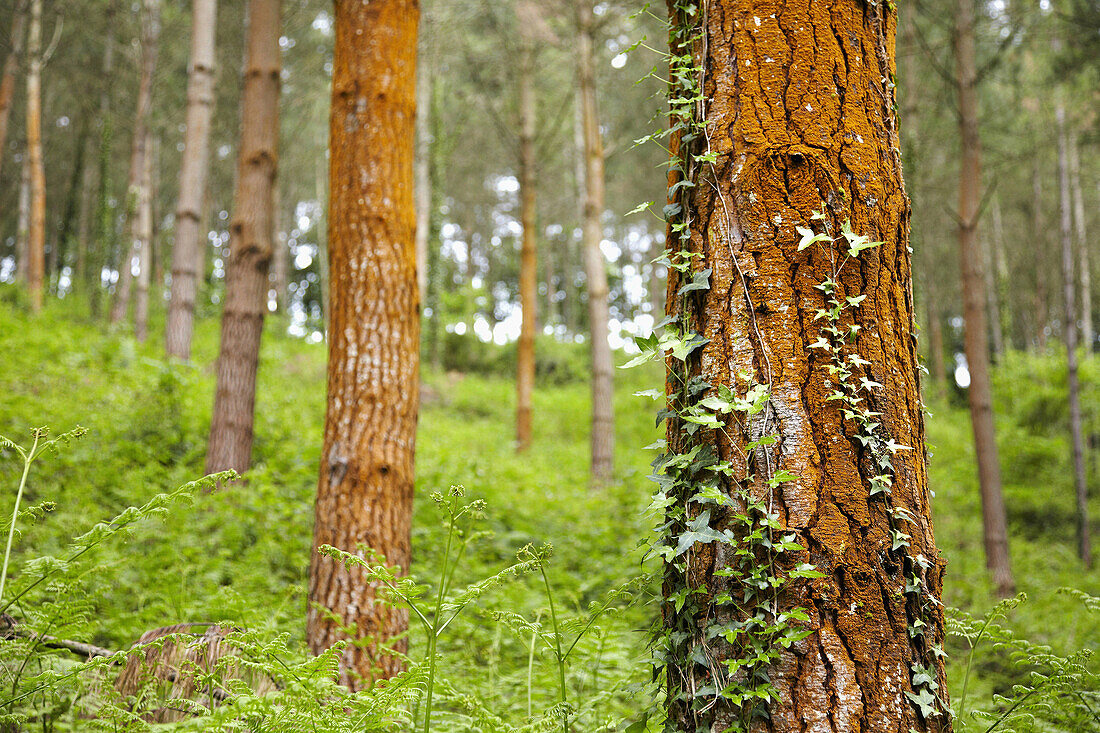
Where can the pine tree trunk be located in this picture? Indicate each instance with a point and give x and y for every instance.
(1084, 545)
(84, 229)
(1038, 232)
(595, 269)
(36, 239)
(150, 34)
(104, 212)
(804, 121)
(144, 237)
(528, 267)
(1000, 274)
(980, 392)
(23, 225)
(7, 76)
(365, 491)
(187, 252)
(60, 251)
(1088, 333)
(988, 248)
(250, 245)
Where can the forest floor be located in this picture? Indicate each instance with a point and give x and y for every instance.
(242, 554)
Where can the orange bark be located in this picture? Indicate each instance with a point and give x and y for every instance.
(7, 76)
(528, 265)
(250, 246)
(799, 108)
(365, 491)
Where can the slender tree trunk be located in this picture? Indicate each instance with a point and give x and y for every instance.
(250, 245)
(528, 267)
(999, 269)
(23, 226)
(105, 214)
(84, 229)
(189, 247)
(144, 236)
(974, 302)
(595, 269)
(1084, 546)
(36, 241)
(784, 138)
(936, 354)
(150, 34)
(7, 75)
(1038, 232)
(365, 491)
(1088, 333)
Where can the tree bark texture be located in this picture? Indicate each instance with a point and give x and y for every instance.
(1069, 287)
(365, 491)
(250, 246)
(36, 237)
(980, 392)
(799, 115)
(595, 269)
(194, 167)
(7, 76)
(528, 266)
(150, 35)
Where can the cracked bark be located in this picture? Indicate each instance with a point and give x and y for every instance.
(800, 111)
(365, 489)
(250, 246)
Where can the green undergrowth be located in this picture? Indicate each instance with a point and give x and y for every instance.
(241, 555)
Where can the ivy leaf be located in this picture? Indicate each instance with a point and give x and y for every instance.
(809, 238)
(926, 702)
(699, 281)
(639, 208)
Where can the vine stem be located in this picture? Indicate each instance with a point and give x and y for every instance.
(27, 459)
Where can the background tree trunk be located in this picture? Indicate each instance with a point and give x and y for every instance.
(528, 267)
(792, 137)
(194, 166)
(365, 491)
(36, 239)
(250, 245)
(7, 76)
(23, 224)
(150, 33)
(104, 214)
(144, 232)
(1084, 547)
(1088, 333)
(595, 269)
(974, 303)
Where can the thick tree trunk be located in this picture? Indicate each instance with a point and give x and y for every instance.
(980, 392)
(190, 238)
(7, 76)
(595, 269)
(1088, 333)
(803, 122)
(144, 236)
(250, 245)
(528, 266)
(150, 35)
(1084, 545)
(36, 240)
(365, 492)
